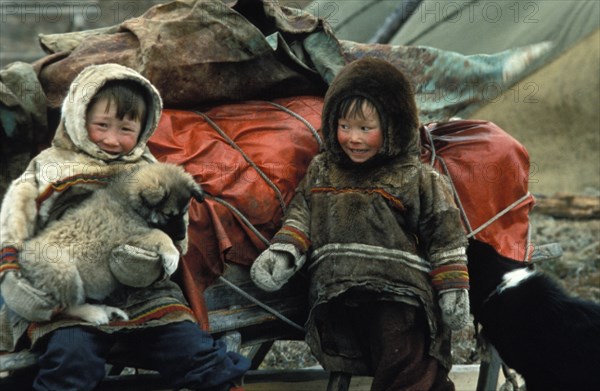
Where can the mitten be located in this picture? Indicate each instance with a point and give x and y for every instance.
(451, 281)
(455, 308)
(135, 266)
(25, 300)
(275, 266)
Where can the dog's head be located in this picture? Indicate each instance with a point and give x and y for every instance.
(161, 193)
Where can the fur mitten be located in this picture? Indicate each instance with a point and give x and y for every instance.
(25, 300)
(275, 266)
(450, 279)
(136, 267)
(455, 308)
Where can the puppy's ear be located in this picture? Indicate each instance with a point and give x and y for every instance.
(197, 192)
(153, 196)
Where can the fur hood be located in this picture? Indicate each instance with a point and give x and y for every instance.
(71, 133)
(391, 93)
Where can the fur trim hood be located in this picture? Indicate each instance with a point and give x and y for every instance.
(392, 95)
(72, 134)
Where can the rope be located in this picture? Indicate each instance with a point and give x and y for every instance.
(239, 214)
(262, 305)
(433, 151)
(498, 215)
(304, 121)
(528, 243)
(248, 160)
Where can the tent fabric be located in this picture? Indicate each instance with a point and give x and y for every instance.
(467, 27)
(475, 27)
(250, 156)
(489, 26)
(447, 83)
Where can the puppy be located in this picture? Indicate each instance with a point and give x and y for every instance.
(550, 338)
(69, 259)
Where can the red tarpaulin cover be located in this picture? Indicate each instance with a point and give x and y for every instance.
(252, 155)
(490, 172)
(218, 148)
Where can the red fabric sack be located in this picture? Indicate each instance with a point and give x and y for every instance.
(489, 171)
(219, 147)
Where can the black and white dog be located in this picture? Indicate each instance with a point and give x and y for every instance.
(550, 338)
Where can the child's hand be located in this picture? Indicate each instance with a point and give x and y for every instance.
(25, 300)
(135, 266)
(455, 308)
(275, 266)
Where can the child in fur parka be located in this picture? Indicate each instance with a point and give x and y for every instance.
(382, 237)
(107, 117)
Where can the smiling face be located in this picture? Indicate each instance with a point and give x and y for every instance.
(114, 135)
(359, 131)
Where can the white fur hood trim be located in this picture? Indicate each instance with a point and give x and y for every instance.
(71, 132)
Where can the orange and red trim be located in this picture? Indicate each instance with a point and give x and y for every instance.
(64, 184)
(395, 201)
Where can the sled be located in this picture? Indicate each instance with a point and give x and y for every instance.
(221, 292)
(248, 319)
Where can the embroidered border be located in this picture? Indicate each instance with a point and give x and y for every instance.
(9, 259)
(396, 202)
(64, 184)
(292, 235)
(455, 276)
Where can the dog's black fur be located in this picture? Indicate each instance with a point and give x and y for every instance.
(550, 338)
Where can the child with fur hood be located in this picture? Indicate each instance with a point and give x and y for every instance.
(382, 237)
(108, 116)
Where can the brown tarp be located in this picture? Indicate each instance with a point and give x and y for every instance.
(196, 52)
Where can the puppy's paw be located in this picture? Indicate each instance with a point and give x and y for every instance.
(115, 313)
(170, 261)
(94, 314)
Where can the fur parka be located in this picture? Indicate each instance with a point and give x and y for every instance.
(73, 165)
(61, 176)
(372, 231)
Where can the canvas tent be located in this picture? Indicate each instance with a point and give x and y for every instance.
(552, 108)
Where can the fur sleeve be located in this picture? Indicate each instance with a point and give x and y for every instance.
(19, 210)
(296, 226)
(440, 227)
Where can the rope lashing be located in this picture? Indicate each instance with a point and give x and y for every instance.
(244, 219)
(247, 158)
(262, 305)
(472, 232)
(304, 121)
(239, 214)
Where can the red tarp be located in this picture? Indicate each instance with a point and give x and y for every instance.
(278, 143)
(490, 172)
(489, 169)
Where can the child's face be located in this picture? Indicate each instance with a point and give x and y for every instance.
(360, 138)
(113, 135)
